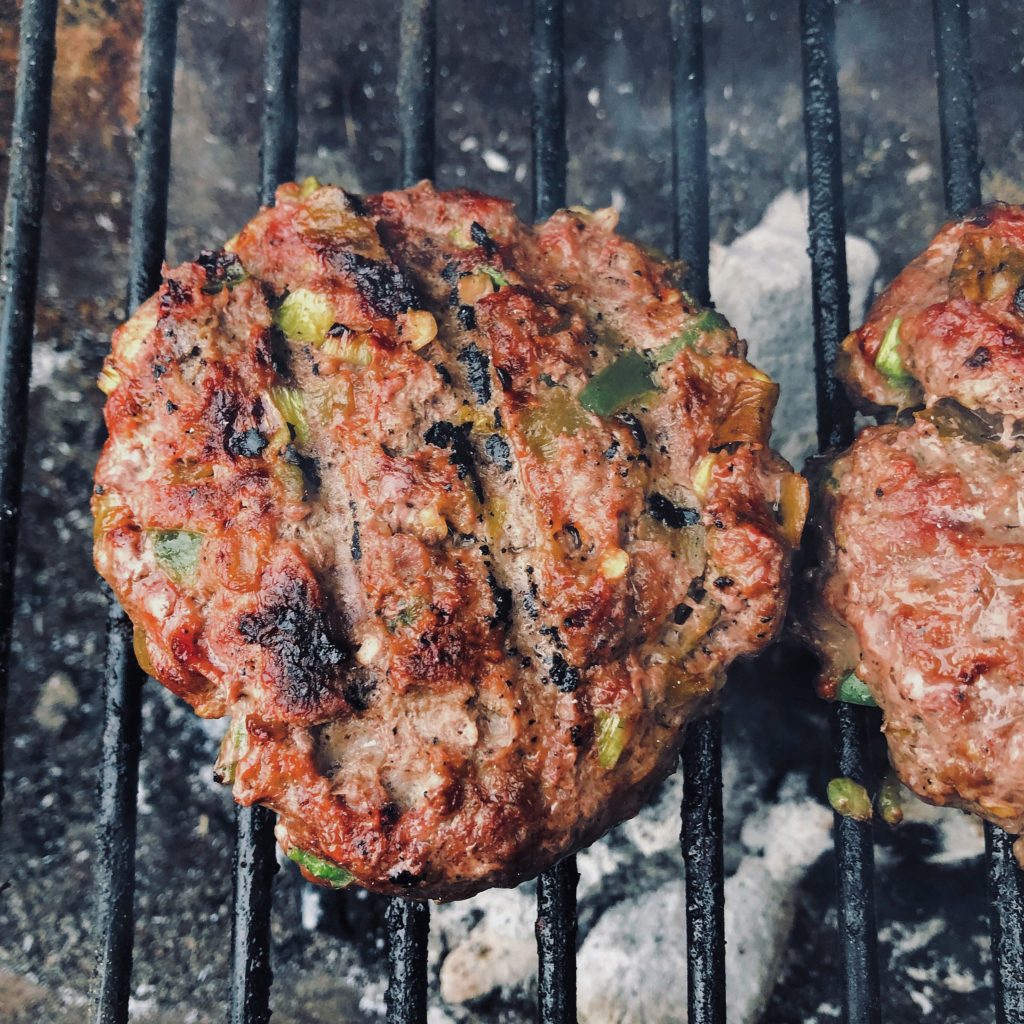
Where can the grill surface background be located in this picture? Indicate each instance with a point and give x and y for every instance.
(624, 141)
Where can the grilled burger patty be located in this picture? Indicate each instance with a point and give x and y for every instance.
(457, 519)
(921, 577)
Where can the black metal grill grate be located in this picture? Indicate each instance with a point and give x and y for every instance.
(255, 862)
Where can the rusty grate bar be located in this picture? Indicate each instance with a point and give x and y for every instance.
(19, 273)
(119, 766)
(827, 228)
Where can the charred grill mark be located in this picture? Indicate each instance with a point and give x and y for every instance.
(309, 467)
(502, 598)
(291, 626)
(356, 545)
(669, 513)
(466, 316)
(479, 235)
(272, 350)
(385, 287)
(456, 438)
(478, 372)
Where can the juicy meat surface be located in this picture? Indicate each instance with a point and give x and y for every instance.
(459, 520)
(920, 523)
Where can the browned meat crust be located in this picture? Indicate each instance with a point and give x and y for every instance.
(458, 618)
(920, 586)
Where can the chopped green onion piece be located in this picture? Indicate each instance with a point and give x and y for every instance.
(305, 316)
(308, 187)
(853, 691)
(890, 799)
(708, 321)
(177, 552)
(335, 876)
(291, 404)
(231, 749)
(499, 279)
(618, 384)
(611, 738)
(850, 799)
(888, 361)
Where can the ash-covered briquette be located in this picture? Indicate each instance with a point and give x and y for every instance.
(459, 520)
(920, 587)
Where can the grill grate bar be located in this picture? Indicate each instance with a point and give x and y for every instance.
(827, 230)
(691, 223)
(702, 814)
(416, 61)
(957, 125)
(556, 888)
(962, 180)
(702, 831)
(255, 861)
(119, 765)
(547, 81)
(408, 924)
(23, 216)
(408, 921)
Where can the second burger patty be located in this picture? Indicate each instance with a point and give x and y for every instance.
(920, 524)
(459, 520)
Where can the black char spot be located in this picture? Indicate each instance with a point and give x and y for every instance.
(309, 466)
(498, 451)
(671, 514)
(479, 235)
(478, 372)
(405, 878)
(635, 427)
(502, 598)
(357, 547)
(176, 294)
(359, 692)
(249, 444)
(565, 677)
(384, 286)
(467, 318)
(456, 438)
(292, 627)
(978, 358)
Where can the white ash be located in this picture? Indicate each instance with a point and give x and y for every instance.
(762, 283)
(632, 967)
